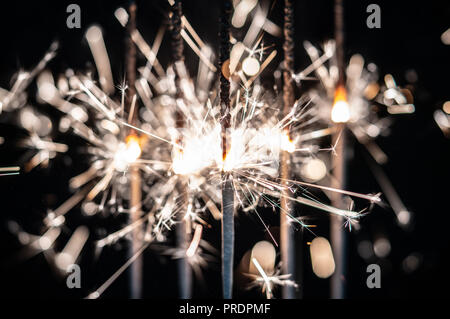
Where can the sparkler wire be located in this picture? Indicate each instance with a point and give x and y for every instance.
(227, 183)
(241, 159)
(182, 229)
(287, 236)
(135, 178)
(337, 235)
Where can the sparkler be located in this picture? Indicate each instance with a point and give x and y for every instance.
(133, 143)
(349, 93)
(224, 155)
(340, 115)
(256, 140)
(182, 230)
(359, 102)
(288, 253)
(35, 123)
(227, 183)
(116, 165)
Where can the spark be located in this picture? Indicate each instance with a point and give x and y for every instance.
(268, 282)
(340, 112)
(166, 155)
(97, 293)
(352, 104)
(195, 241)
(10, 170)
(267, 285)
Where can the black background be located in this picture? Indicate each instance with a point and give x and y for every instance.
(418, 151)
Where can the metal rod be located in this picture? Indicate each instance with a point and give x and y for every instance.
(137, 234)
(227, 183)
(182, 242)
(227, 237)
(182, 231)
(287, 236)
(340, 40)
(135, 182)
(338, 234)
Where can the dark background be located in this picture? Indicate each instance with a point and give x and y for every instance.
(409, 39)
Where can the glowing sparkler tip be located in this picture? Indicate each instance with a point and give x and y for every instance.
(287, 144)
(127, 153)
(133, 148)
(340, 113)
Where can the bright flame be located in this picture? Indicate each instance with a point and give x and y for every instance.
(340, 113)
(235, 155)
(198, 152)
(184, 163)
(228, 162)
(127, 153)
(178, 164)
(287, 144)
(133, 148)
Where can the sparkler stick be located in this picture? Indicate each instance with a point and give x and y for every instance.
(227, 182)
(195, 43)
(242, 158)
(286, 230)
(337, 234)
(135, 180)
(184, 270)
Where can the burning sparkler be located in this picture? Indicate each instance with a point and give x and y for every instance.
(38, 125)
(354, 105)
(346, 97)
(229, 151)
